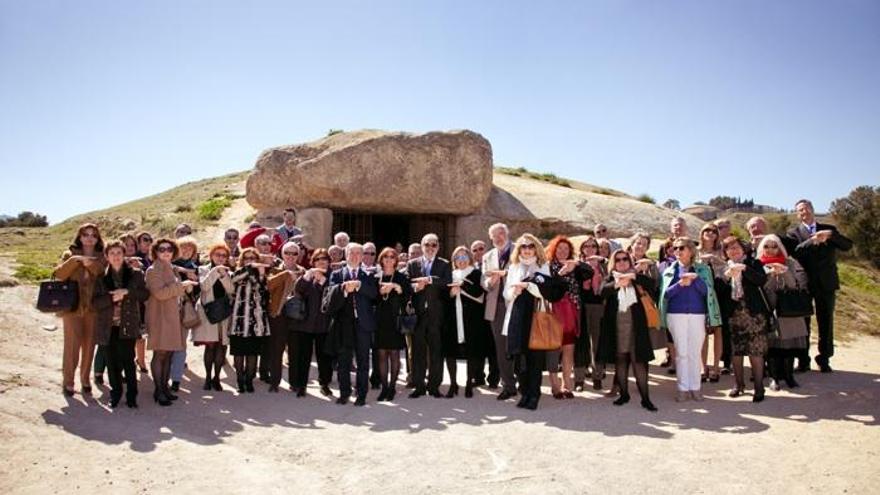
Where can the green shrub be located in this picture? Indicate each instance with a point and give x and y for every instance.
(29, 272)
(646, 198)
(212, 209)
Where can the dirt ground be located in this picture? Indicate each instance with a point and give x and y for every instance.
(823, 438)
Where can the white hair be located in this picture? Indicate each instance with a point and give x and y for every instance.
(770, 238)
(290, 244)
(341, 235)
(351, 247)
(262, 238)
(496, 226)
(430, 237)
(755, 220)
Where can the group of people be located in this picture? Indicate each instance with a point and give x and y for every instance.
(355, 309)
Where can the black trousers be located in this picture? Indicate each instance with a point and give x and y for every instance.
(426, 353)
(825, 302)
(281, 337)
(531, 375)
(361, 352)
(119, 354)
(306, 345)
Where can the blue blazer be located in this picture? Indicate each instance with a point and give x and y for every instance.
(342, 309)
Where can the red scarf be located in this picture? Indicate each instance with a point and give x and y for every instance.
(773, 259)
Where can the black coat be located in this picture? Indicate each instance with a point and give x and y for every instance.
(431, 301)
(753, 278)
(312, 294)
(607, 347)
(519, 329)
(130, 316)
(818, 260)
(341, 309)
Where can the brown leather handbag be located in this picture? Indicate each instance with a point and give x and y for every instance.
(546, 334)
(652, 314)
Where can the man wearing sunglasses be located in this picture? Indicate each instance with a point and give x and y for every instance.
(430, 276)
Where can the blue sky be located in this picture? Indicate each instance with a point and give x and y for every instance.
(104, 102)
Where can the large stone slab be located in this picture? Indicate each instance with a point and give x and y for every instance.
(377, 171)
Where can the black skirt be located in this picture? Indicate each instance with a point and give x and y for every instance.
(388, 334)
(246, 346)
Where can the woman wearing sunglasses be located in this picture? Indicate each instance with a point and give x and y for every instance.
(709, 251)
(625, 337)
(311, 334)
(687, 304)
(166, 334)
(216, 290)
(83, 263)
(394, 292)
(468, 332)
(528, 281)
(250, 317)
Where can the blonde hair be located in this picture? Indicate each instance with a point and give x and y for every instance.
(527, 238)
(467, 253)
(188, 241)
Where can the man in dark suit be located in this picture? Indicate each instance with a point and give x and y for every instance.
(430, 276)
(350, 299)
(815, 246)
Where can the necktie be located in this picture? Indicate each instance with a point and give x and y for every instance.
(354, 276)
(427, 267)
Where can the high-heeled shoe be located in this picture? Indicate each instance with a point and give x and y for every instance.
(162, 401)
(647, 404)
(531, 404)
(215, 384)
(241, 385)
(759, 395)
(453, 391)
(208, 385)
(67, 391)
(468, 392)
(171, 396)
(392, 391)
(87, 390)
(249, 385)
(382, 394)
(623, 399)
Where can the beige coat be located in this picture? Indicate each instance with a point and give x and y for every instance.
(491, 263)
(207, 331)
(163, 309)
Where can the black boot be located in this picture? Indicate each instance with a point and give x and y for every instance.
(789, 373)
(241, 382)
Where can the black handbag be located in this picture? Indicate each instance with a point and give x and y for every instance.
(218, 310)
(407, 321)
(772, 321)
(790, 303)
(295, 309)
(55, 296)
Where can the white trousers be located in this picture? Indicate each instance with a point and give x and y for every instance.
(688, 332)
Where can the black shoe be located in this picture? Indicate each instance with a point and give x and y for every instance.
(578, 386)
(215, 383)
(99, 379)
(241, 386)
(480, 381)
(522, 401)
(649, 405)
(131, 403)
(791, 382)
(759, 395)
(382, 394)
(172, 396)
(87, 390)
(114, 403)
(67, 392)
(505, 394)
(531, 404)
(493, 385)
(376, 385)
(824, 365)
(342, 400)
(142, 369)
(325, 391)
(803, 365)
(162, 401)
(391, 393)
(623, 399)
(597, 384)
(415, 394)
(273, 389)
(468, 392)
(209, 385)
(175, 386)
(410, 385)
(453, 391)
(670, 371)
(264, 377)
(360, 401)
(435, 394)
(249, 385)
(301, 392)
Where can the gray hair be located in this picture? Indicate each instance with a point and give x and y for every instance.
(754, 220)
(351, 247)
(499, 225)
(262, 238)
(429, 237)
(341, 235)
(770, 238)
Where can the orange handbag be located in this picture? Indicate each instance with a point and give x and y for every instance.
(546, 333)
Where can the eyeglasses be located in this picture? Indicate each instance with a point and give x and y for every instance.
(89, 234)
(601, 231)
(369, 253)
(232, 238)
(527, 246)
(461, 258)
(678, 248)
(618, 260)
(479, 249)
(145, 239)
(430, 244)
(771, 246)
(290, 253)
(263, 243)
(165, 249)
(322, 258)
(710, 231)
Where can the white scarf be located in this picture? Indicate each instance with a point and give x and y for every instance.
(736, 283)
(516, 273)
(626, 296)
(458, 277)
